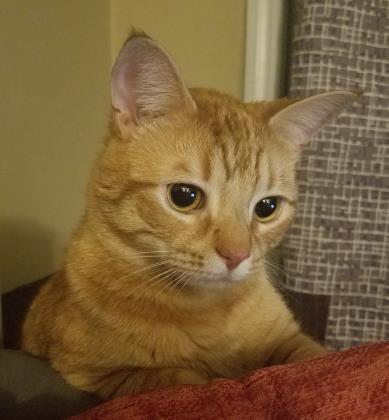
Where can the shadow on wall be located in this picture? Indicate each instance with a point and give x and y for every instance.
(26, 252)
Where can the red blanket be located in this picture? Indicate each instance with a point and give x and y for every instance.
(352, 384)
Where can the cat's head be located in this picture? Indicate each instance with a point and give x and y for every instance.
(193, 183)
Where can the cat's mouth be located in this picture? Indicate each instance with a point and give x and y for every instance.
(212, 276)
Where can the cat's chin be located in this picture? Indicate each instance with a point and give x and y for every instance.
(217, 276)
(218, 280)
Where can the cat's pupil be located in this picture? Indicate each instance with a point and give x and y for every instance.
(183, 195)
(266, 207)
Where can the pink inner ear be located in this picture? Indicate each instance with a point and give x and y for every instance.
(303, 125)
(122, 90)
(300, 121)
(145, 84)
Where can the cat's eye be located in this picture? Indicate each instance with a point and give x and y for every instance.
(267, 208)
(184, 197)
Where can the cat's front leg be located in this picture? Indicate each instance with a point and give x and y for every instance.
(296, 347)
(134, 380)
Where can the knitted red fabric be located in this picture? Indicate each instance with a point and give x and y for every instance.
(352, 384)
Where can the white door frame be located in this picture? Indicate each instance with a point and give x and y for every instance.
(265, 36)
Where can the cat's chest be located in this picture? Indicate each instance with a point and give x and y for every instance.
(229, 345)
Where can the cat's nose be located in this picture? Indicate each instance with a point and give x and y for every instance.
(233, 257)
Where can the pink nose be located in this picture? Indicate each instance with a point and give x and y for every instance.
(233, 257)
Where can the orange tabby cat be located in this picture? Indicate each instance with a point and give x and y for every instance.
(165, 280)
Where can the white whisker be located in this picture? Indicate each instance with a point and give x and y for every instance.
(147, 267)
(161, 277)
(275, 280)
(185, 280)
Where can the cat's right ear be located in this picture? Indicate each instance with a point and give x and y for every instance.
(145, 84)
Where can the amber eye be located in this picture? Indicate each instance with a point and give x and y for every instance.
(266, 208)
(184, 197)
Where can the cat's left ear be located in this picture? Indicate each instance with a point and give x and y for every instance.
(300, 122)
(145, 84)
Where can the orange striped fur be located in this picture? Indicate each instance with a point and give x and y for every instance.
(144, 300)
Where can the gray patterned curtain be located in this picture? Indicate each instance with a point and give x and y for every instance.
(337, 252)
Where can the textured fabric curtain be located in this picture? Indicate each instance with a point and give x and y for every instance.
(337, 252)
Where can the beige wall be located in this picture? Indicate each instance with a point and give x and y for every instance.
(205, 37)
(54, 77)
(53, 105)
